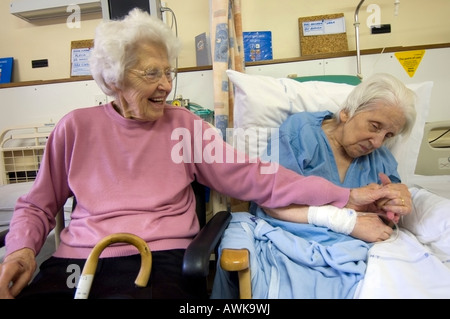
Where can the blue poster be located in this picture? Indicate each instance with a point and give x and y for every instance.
(6, 66)
(257, 46)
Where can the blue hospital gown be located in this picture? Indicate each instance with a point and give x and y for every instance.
(291, 260)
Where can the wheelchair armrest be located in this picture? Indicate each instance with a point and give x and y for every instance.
(197, 255)
(238, 260)
(2, 237)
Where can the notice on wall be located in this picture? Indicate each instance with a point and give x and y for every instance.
(410, 60)
(257, 46)
(324, 26)
(79, 57)
(6, 67)
(80, 62)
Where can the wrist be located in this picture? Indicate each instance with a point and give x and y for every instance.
(340, 220)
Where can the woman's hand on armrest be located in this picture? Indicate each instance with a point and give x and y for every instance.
(16, 272)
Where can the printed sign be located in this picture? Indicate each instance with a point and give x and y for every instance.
(6, 66)
(257, 46)
(410, 60)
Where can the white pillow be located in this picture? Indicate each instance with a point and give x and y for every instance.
(263, 102)
(429, 221)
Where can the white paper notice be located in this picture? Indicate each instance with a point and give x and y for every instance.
(80, 62)
(326, 26)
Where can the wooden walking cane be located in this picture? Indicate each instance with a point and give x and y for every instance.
(87, 276)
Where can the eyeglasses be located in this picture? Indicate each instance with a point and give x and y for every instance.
(154, 75)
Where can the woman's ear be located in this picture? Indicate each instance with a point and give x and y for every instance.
(343, 116)
(113, 87)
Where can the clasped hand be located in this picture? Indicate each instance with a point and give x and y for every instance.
(390, 199)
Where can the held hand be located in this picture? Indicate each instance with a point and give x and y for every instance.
(385, 180)
(16, 272)
(394, 208)
(364, 199)
(371, 228)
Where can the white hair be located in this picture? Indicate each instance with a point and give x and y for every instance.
(385, 88)
(115, 43)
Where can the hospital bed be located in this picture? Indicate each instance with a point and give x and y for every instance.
(415, 261)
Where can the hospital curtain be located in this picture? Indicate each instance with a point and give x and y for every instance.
(227, 53)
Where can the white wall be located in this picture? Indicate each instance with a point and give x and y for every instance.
(49, 102)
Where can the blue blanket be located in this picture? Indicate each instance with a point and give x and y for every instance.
(319, 264)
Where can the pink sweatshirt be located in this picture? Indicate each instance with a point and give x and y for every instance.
(133, 176)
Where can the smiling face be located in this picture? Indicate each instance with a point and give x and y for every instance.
(140, 97)
(368, 130)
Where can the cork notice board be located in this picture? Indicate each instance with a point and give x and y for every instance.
(328, 36)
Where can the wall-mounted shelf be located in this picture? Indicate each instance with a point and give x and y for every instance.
(256, 63)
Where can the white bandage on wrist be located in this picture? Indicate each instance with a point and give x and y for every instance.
(340, 220)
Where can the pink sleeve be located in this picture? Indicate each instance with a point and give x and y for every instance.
(270, 186)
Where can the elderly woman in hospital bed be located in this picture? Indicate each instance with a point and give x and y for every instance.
(320, 252)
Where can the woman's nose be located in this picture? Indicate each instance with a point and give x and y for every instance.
(164, 84)
(377, 140)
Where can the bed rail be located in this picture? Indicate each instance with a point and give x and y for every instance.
(21, 150)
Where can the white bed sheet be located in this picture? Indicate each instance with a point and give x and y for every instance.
(415, 262)
(404, 269)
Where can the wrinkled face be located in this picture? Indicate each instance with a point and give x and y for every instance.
(147, 85)
(368, 130)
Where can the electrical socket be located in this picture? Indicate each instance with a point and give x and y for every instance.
(381, 28)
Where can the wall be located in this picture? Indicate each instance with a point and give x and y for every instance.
(434, 66)
(417, 23)
(47, 103)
